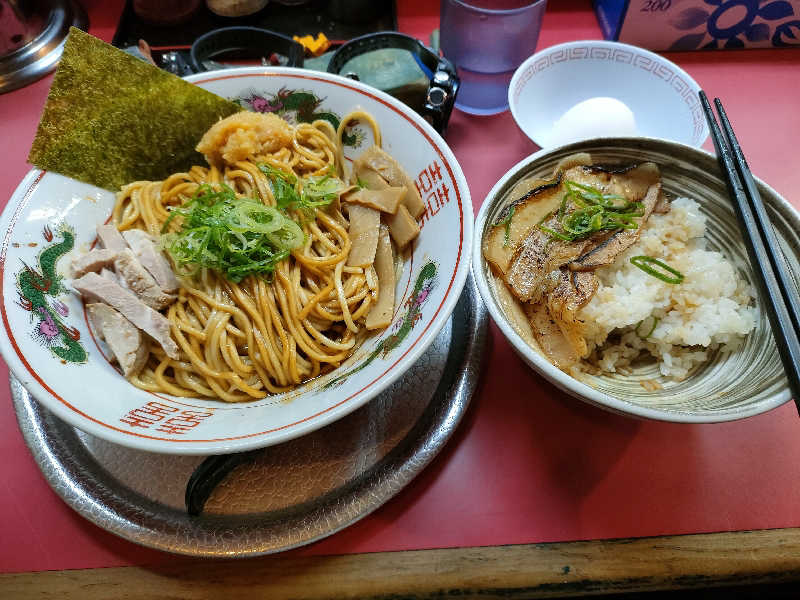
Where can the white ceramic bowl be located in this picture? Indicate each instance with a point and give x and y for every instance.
(729, 386)
(92, 395)
(661, 95)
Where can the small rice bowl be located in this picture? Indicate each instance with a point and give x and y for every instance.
(740, 374)
(634, 314)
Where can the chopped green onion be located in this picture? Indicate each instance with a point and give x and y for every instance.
(236, 237)
(320, 191)
(506, 221)
(305, 195)
(645, 262)
(555, 234)
(283, 186)
(583, 221)
(276, 173)
(595, 212)
(251, 216)
(591, 195)
(652, 329)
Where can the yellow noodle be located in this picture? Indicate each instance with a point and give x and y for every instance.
(241, 341)
(356, 115)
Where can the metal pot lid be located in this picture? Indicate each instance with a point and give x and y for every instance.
(40, 53)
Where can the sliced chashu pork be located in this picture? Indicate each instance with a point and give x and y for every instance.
(630, 181)
(93, 261)
(94, 287)
(555, 323)
(533, 264)
(533, 200)
(146, 251)
(139, 280)
(549, 336)
(111, 276)
(539, 254)
(564, 302)
(125, 341)
(604, 252)
(111, 238)
(662, 207)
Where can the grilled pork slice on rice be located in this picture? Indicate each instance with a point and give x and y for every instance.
(546, 244)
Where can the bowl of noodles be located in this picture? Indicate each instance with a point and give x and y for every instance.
(254, 298)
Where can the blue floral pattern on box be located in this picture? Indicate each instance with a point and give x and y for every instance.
(737, 23)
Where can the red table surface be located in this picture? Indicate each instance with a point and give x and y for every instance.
(529, 464)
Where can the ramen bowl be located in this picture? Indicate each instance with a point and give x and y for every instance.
(730, 385)
(51, 218)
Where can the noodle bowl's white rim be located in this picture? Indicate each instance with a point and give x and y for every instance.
(540, 364)
(69, 413)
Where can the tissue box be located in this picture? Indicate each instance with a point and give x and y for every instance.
(700, 24)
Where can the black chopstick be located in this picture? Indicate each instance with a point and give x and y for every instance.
(762, 220)
(773, 282)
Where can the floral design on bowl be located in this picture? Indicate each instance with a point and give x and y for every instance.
(298, 106)
(402, 326)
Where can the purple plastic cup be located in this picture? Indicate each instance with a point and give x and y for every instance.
(487, 40)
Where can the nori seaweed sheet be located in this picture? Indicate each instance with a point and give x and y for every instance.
(111, 119)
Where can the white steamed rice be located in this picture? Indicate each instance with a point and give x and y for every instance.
(710, 309)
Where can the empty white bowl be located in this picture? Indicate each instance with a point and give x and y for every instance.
(661, 95)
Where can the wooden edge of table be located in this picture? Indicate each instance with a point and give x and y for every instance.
(519, 571)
